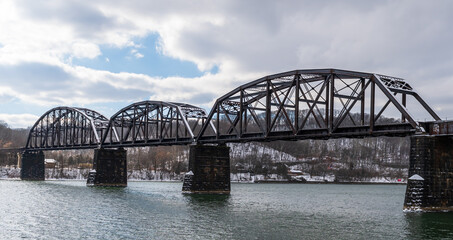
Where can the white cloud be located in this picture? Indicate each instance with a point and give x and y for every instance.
(19, 120)
(136, 54)
(85, 50)
(245, 39)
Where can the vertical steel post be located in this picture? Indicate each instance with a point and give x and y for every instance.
(171, 121)
(241, 109)
(331, 99)
(59, 130)
(47, 130)
(372, 101)
(65, 120)
(122, 128)
(268, 108)
(296, 102)
(82, 135)
(74, 137)
(177, 125)
(145, 128)
(245, 119)
(327, 102)
(161, 128)
(133, 124)
(362, 105)
(218, 120)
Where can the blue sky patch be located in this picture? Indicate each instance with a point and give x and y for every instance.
(141, 60)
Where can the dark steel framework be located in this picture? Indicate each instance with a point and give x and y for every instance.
(154, 123)
(144, 123)
(303, 104)
(67, 128)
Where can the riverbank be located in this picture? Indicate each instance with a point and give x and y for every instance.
(152, 176)
(245, 182)
(316, 182)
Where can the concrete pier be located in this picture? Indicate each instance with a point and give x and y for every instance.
(32, 166)
(430, 183)
(110, 167)
(209, 170)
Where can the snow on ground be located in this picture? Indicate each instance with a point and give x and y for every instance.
(9, 172)
(145, 175)
(81, 174)
(257, 150)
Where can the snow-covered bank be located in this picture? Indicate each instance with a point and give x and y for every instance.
(250, 178)
(147, 175)
(9, 172)
(82, 174)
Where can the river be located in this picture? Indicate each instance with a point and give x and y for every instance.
(158, 210)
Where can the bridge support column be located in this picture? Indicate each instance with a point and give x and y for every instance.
(110, 167)
(32, 166)
(209, 170)
(430, 183)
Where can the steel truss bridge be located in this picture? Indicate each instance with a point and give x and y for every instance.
(300, 104)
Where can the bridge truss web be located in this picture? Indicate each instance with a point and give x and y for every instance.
(154, 123)
(144, 123)
(66, 128)
(303, 104)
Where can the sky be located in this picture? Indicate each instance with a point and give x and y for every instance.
(105, 55)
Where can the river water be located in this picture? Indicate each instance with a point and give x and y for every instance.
(155, 210)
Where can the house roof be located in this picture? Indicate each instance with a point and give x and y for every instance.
(50, 160)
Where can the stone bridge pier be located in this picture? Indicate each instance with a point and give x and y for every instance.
(109, 168)
(32, 166)
(209, 170)
(430, 183)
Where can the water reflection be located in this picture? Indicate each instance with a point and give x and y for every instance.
(208, 200)
(113, 190)
(429, 225)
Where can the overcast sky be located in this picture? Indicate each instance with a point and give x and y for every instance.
(105, 55)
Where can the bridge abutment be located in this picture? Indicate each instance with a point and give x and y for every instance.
(32, 166)
(110, 167)
(209, 170)
(430, 183)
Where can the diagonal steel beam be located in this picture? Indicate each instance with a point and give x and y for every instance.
(342, 117)
(281, 107)
(376, 78)
(313, 105)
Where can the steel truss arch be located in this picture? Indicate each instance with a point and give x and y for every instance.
(67, 128)
(150, 123)
(314, 103)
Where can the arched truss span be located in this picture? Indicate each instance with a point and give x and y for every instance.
(322, 103)
(154, 123)
(66, 128)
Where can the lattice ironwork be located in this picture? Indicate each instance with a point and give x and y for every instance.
(154, 123)
(301, 104)
(67, 127)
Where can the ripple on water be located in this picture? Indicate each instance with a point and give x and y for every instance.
(154, 210)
